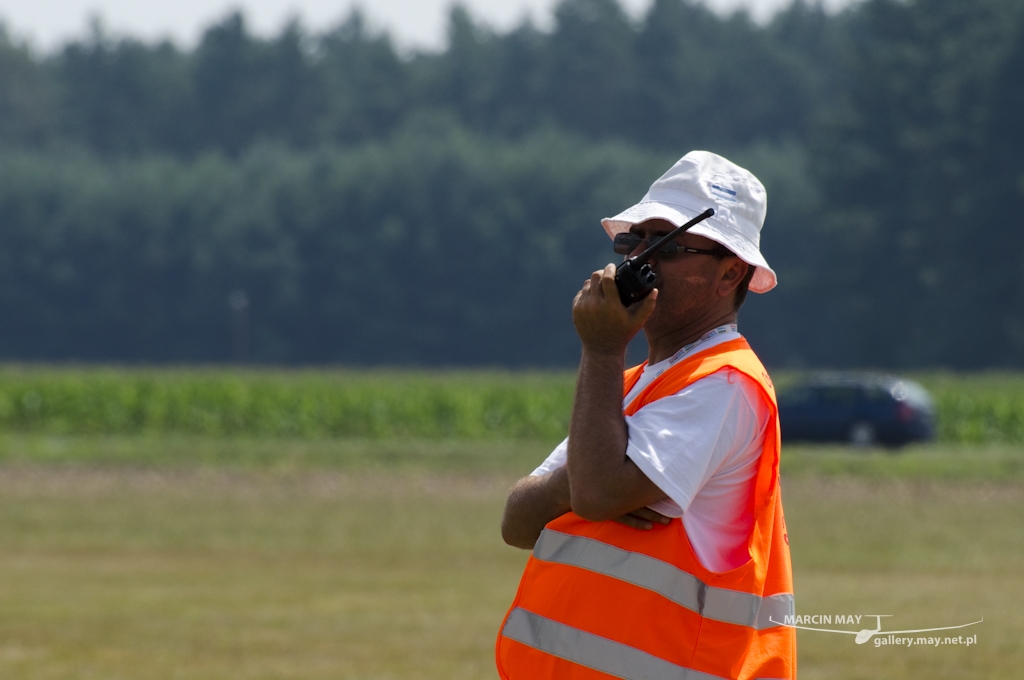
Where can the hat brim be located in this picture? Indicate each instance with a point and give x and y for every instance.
(764, 278)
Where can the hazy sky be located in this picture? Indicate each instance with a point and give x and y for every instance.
(414, 23)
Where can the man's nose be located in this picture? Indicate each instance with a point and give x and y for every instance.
(644, 245)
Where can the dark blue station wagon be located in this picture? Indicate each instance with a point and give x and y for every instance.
(863, 410)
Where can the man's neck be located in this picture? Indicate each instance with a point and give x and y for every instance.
(663, 346)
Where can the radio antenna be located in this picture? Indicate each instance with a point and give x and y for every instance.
(647, 254)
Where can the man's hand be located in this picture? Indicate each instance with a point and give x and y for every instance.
(643, 519)
(604, 325)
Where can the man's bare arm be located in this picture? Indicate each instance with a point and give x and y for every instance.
(599, 481)
(532, 503)
(535, 501)
(604, 483)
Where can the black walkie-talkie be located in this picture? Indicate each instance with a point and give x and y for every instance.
(635, 278)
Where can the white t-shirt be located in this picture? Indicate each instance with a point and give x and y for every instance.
(700, 446)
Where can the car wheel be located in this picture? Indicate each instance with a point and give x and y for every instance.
(862, 435)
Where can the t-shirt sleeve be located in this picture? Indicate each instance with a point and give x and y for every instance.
(555, 460)
(680, 442)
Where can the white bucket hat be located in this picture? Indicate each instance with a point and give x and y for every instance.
(702, 180)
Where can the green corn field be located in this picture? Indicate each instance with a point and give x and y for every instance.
(385, 404)
(289, 404)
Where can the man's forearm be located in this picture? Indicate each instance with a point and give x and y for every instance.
(532, 503)
(603, 482)
(597, 430)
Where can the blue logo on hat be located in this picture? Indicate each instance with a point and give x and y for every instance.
(723, 193)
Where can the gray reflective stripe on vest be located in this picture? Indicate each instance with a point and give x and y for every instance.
(681, 587)
(593, 651)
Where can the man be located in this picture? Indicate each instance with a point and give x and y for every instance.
(659, 544)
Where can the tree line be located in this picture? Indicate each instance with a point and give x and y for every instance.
(681, 75)
(330, 199)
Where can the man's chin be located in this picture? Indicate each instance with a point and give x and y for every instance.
(654, 323)
(666, 319)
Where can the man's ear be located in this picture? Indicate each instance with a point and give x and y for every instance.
(731, 275)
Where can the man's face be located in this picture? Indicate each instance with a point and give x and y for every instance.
(688, 284)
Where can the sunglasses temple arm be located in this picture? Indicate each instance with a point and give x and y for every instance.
(646, 255)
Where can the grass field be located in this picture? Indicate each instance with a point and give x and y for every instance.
(190, 558)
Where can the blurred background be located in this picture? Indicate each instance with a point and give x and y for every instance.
(331, 196)
(284, 291)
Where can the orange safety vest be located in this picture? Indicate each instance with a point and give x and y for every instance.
(602, 600)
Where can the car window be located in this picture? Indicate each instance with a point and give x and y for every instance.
(838, 394)
(799, 396)
(878, 395)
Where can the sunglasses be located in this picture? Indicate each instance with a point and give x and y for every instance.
(626, 242)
